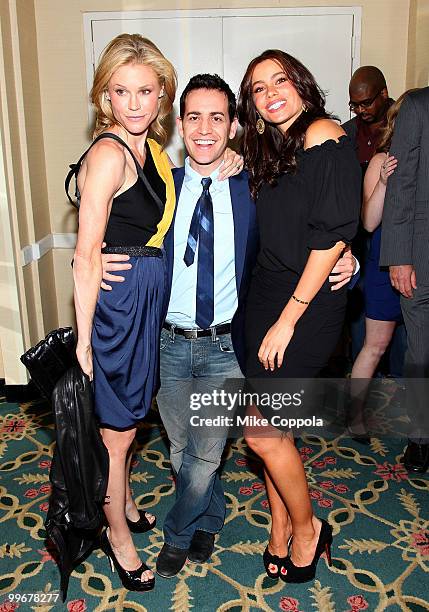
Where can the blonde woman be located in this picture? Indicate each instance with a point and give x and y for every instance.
(127, 200)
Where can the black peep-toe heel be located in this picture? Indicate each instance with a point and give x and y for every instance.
(131, 579)
(292, 573)
(142, 525)
(270, 559)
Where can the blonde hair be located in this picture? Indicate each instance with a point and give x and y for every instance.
(132, 49)
(392, 113)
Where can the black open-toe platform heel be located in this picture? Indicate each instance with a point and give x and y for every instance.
(131, 579)
(292, 573)
(270, 559)
(142, 525)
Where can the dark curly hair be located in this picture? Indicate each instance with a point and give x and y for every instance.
(268, 155)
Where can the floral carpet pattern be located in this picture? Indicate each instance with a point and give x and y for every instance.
(379, 513)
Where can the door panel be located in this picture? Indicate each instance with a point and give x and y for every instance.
(320, 42)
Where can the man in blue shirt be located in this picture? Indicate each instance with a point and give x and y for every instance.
(211, 248)
(195, 365)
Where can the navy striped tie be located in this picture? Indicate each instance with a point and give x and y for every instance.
(201, 233)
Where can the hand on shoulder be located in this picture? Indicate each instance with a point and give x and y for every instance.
(378, 159)
(322, 130)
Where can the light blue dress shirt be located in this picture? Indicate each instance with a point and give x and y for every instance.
(182, 306)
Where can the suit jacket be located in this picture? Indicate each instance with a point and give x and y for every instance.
(405, 223)
(246, 243)
(350, 128)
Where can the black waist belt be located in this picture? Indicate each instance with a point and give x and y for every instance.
(133, 251)
(191, 334)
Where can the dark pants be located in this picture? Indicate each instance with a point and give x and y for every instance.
(416, 316)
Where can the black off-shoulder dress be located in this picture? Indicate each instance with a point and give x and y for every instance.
(314, 208)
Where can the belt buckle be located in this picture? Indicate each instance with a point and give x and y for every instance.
(190, 334)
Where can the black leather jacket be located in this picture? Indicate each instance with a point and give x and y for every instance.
(79, 473)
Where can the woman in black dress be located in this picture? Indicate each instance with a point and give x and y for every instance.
(306, 181)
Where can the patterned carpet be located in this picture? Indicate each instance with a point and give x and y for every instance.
(380, 518)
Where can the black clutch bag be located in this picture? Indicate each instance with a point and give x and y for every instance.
(50, 359)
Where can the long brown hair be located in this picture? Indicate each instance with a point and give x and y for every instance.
(132, 49)
(392, 113)
(269, 154)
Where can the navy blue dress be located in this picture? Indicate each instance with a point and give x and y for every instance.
(128, 319)
(381, 299)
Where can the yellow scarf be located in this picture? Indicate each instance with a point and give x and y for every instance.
(163, 168)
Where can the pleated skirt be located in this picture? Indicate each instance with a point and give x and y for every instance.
(125, 343)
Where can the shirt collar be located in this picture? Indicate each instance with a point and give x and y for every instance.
(193, 180)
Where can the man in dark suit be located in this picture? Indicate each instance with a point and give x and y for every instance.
(404, 248)
(202, 340)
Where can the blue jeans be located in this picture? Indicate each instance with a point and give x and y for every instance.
(193, 366)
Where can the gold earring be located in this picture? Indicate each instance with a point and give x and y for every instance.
(260, 124)
(107, 97)
(304, 108)
(161, 94)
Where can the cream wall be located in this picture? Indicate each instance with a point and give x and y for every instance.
(49, 58)
(20, 305)
(420, 77)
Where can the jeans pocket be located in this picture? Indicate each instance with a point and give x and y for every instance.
(225, 343)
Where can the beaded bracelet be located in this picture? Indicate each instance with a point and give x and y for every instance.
(299, 301)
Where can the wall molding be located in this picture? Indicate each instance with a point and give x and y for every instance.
(36, 250)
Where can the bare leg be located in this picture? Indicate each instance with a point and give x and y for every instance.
(281, 528)
(118, 443)
(378, 335)
(284, 465)
(131, 510)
